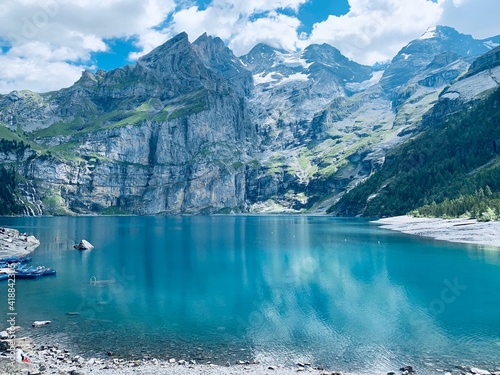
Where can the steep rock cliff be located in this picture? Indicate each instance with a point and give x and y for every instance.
(167, 135)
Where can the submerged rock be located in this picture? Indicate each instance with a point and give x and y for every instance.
(84, 245)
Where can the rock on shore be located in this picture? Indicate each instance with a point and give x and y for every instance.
(13, 243)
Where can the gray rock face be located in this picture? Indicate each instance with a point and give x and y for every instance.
(165, 136)
(489, 60)
(191, 128)
(221, 59)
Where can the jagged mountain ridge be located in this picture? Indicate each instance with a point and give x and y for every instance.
(418, 54)
(192, 128)
(160, 136)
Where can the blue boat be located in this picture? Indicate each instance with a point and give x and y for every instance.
(23, 270)
(45, 271)
(27, 275)
(3, 276)
(33, 272)
(23, 259)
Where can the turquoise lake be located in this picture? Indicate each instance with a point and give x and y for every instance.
(339, 293)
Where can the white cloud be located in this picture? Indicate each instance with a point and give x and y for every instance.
(376, 30)
(247, 7)
(277, 30)
(59, 36)
(215, 20)
(35, 74)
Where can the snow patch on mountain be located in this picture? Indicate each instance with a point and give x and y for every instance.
(295, 77)
(264, 78)
(491, 44)
(429, 34)
(278, 78)
(291, 60)
(361, 86)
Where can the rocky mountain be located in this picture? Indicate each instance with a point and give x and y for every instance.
(191, 128)
(489, 60)
(292, 86)
(437, 47)
(450, 169)
(165, 135)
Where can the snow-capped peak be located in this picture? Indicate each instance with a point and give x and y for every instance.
(430, 33)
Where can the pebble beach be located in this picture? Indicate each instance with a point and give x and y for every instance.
(55, 360)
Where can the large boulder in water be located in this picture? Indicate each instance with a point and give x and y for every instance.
(84, 245)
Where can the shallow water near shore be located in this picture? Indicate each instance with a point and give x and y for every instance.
(339, 293)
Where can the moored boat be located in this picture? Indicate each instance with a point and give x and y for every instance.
(46, 271)
(27, 275)
(14, 259)
(21, 270)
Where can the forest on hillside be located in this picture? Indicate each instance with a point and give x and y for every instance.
(447, 165)
(9, 204)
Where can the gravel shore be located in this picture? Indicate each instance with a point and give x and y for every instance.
(53, 360)
(453, 230)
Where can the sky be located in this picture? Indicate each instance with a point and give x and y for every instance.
(46, 44)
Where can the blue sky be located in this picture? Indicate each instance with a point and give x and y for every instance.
(117, 55)
(318, 11)
(45, 44)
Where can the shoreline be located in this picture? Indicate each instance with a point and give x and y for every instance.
(54, 359)
(466, 231)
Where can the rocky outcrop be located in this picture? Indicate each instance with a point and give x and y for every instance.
(436, 47)
(489, 60)
(167, 135)
(13, 243)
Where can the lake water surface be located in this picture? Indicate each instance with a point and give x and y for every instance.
(340, 293)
